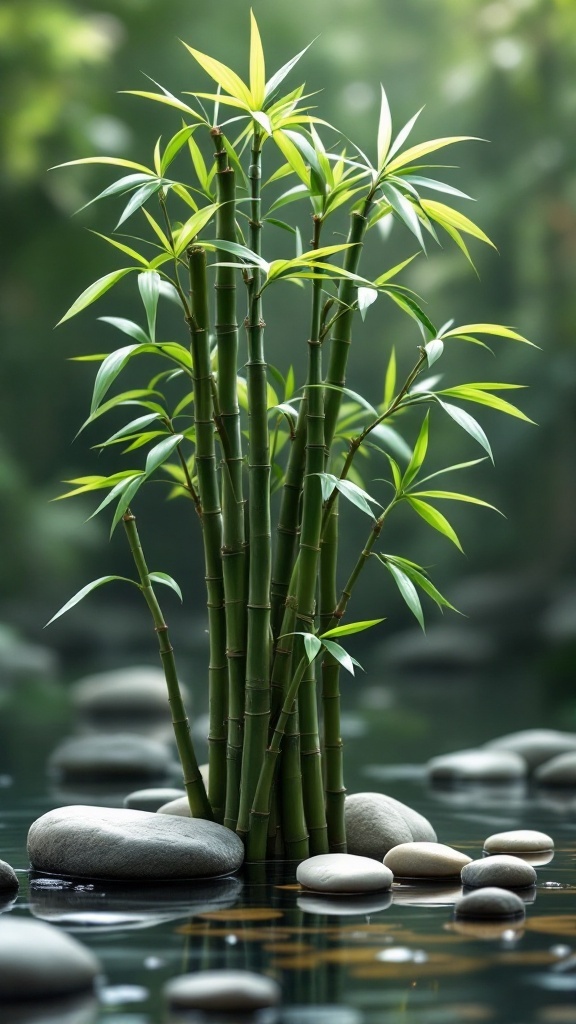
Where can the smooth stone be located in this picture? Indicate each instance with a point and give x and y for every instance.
(21, 661)
(477, 765)
(139, 690)
(521, 840)
(535, 745)
(38, 961)
(490, 901)
(345, 906)
(179, 807)
(117, 756)
(110, 842)
(443, 648)
(376, 822)
(343, 873)
(558, 771)
(425, 860)
(501, 870)
(487, 930)
(8, 877)
(152, 799)
(242, 991)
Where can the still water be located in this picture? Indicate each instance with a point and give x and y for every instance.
(381, 960)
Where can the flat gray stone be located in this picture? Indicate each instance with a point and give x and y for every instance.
(375, 823)
(178, 806)
(111, 842)
(39, 961)
(477, 765)
(152, 799)
(140, 691)
(343, 873)
(521, 840)
(8, 877)
(558, 771)
(535, 745)
(501, 870)
(490, 902)
(425, 860)
(116, 756)
(224, 990)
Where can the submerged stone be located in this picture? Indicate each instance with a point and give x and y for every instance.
(117, 756)
(152, 799)
(39, 961)
(376, 822)
(477, 765)
(490, 902)
(110, 842)
(8, 877)
(500, 870)
(242, 991)
(522, 840)
(425, 860)
(343, 873)
(559, 771)
(535, 745)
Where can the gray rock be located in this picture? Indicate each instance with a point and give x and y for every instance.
(21, 661)
(343, 873)
(8, 877)
(38, 961)
(558, 771)
(477, 765)
(425, 860)
(490, 902)
(110, 842)
(178, 806)
(225, 990)
(152, 799)
(443, 648)
(501, 870)
(375, 823)
(522, 840)
(535, 745)
(139, 691)
(118, 756)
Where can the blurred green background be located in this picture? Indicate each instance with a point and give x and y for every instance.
(502, 71)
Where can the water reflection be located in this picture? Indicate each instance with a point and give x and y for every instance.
(432, 894)
(73, 1010)
(344, 906)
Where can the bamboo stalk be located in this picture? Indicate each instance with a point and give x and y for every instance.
(211, 517)
(233, 537)
(288, 527)
(193, 784)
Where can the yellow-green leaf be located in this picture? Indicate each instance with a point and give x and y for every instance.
(415, 152)
(442, 213)
(123, 248)
(497, 329)
(223, 75)
(257, 67)
(116, 161)
(167, 98)
(94, 291)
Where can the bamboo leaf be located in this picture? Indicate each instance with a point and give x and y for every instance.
(433, 350)
(496, 329)
(95, 291)
(312, 646)
(469, 424)
(119, 490)
(437, 186)
(404, 209)
(125, 500)
(408, 591)
(93, 483)
(165, 97)
(161, 452)
(353, 395)
(127, 327)
(366, 296)
(224, 76)
(123, 185)
(418, 454)
(157, 229)
(132, 427)
(292, 155)
(285, 70)
(168, 581)
(416, 152)
(403, 134)
(257, 67)
(392, 440)
(450, 469)
(411, 307)
(394, 271)
(175, 145)
(390, 379)
(468, 393)
(384, 129)
(352, 627)
(454, 496)
(420, 579)
(109, 370)
(236, 249)
(149, 288)
(341, 656)
(123, 248)
(88, 590)
(114, 160)
(141, 196)
(357, 496)
(446, 215)
(434, 518)
(193, 226)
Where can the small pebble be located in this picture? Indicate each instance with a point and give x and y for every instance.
(500, 870)
(535, 745)
(522, 840)
(490, 902)
(343, 873)
(477, 765)
(558, 771)
(8, 877)
(151, 799)
(425, 860)
(223, 990)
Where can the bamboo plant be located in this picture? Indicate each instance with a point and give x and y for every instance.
(242, 432)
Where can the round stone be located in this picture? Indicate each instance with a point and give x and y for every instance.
(425, 860)
(39, 961)
(8, 877)
(117, 756)
(535, 745)
(224, 990)
(522, 840)
(558, 771)
(477, 765)
(490, 902)
(500, 870)
(139, 690)
(179, 806)
(375, 823)
(111, 842)
(152, 799)
(343, 873)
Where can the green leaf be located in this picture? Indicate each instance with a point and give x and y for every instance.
(312, 646)
(357, 496)
(175, 145)
(164, 97)
(114, 160)
(434, 518)
(390, 379)
(163, 577)
(496, 329)
(285, 70)
(149, 288)
(108, 371)
(193, 226)
(366, 296)
(420, 579)
(433, 350)
(127, 327)
(141, 196)
(224, 76)
(126, 498)
(403, 134)
(450, 469)
(161, 452)
(454, 496)
(341, 656)
(404, 209)
(446, 215)
(237, 250)
(93, 483)
(122, 185)
(469, 424)
(384, 129)
(416, 152)
(352, 627)
(469, 393)
(95, 291)
(411, 307)
(437, 186)
(408, 591)
(88, 590)
(392, 440)
(257, 67)
(419, 453)
(132, 427)
(353, 395)
(292, 155)
(118, 490)
(394, 271)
